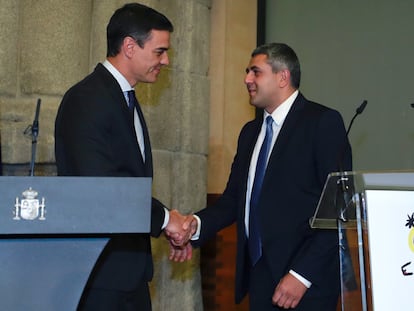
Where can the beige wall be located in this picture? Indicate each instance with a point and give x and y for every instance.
(233, 37)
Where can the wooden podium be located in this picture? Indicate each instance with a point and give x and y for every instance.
(53, 229)
(374, 215)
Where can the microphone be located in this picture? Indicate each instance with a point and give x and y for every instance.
(358, 111)
(34, 130)
(35, 125)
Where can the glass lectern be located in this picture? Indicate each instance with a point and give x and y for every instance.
(374, 215)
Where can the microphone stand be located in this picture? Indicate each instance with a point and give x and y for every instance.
(344, 188)
(34, 131)
(344, 199)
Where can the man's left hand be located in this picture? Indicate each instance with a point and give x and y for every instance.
(288, 292)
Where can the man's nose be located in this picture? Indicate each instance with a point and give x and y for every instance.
(165, 60)
(248, 78)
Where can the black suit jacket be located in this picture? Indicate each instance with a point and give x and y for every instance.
(94, 136)
(307, 149)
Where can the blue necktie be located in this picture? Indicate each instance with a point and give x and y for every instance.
(255, 243)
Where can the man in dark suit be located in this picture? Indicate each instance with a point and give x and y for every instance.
(100, 131)
(281, 262)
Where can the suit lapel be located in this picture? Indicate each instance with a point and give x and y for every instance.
(246, 151)
(118, 97)
(115, 92)
(289, 125)
(147, 144)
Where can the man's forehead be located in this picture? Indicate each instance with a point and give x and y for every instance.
(159, 38)
(259, 60)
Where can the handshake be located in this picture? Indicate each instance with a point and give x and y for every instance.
(179, 231)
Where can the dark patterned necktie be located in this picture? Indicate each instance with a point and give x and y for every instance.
(255, 243)
(143, 139)
(132, 103)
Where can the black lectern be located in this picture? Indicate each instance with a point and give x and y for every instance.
(374, 215)
(53, 229)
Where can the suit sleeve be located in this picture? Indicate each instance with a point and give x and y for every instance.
(221, 214)
(225, 211)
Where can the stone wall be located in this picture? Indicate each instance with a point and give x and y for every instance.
(48, 45)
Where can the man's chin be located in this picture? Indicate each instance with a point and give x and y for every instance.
(254, 103)
(151, 80)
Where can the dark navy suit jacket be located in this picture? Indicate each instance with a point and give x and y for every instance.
(94, 136)
(308, 148)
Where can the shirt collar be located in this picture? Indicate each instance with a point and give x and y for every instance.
(123, 83)
(280, 113)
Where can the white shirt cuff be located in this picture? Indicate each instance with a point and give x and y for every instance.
(166, 219)
(301, 279)
(196, 235)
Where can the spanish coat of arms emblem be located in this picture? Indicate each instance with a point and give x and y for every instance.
(29, 208)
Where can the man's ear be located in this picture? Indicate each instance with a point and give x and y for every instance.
(128, 46)
(284, 77)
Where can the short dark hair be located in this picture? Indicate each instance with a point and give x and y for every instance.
(281, 56)
(136, 21)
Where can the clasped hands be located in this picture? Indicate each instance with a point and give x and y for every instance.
(179, 231)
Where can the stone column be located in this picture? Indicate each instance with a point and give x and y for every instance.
(49, 45)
